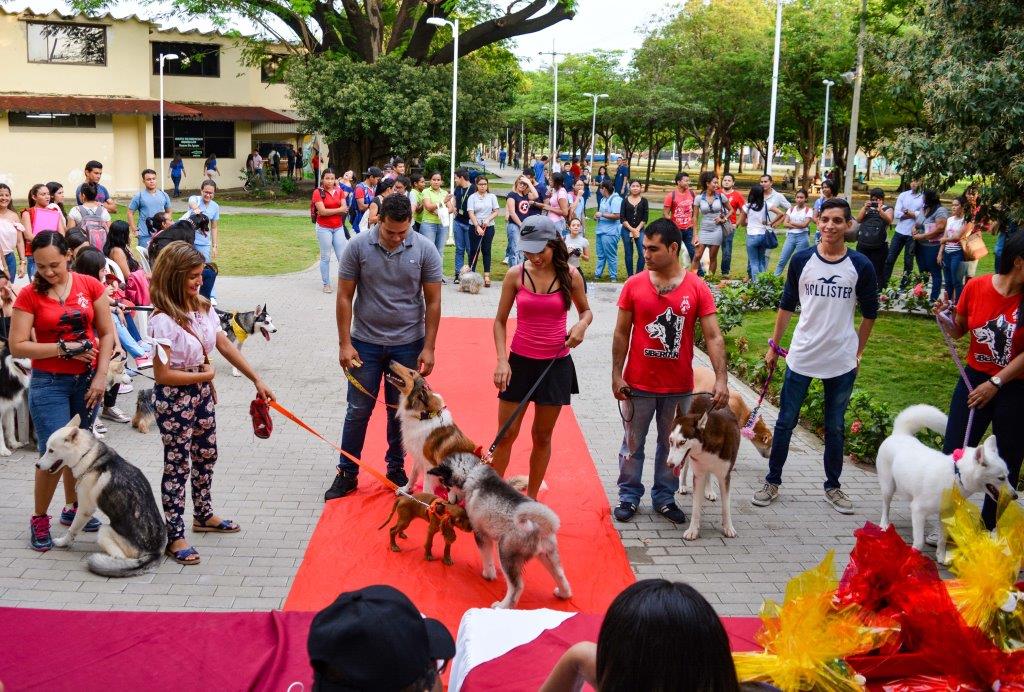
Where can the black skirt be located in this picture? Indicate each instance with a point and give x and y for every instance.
(555, 389)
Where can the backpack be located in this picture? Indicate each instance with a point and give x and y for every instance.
(313, 214)
(873, 231)
(93, 225)
(357, 216)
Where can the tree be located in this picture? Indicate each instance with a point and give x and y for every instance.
(368, 38)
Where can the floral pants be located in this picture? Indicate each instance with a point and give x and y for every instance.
(188, 428)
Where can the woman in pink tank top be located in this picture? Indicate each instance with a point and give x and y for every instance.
(542, 289)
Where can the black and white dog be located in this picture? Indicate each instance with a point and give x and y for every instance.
(14, 378)
(136, 536)
(239, 326)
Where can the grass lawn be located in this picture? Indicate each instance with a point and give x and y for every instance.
(255, 244)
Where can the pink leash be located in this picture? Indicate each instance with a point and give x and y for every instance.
(945, 321)
(748, 429)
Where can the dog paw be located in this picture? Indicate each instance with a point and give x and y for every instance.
(63, 541)
(489, 575)
(448, 561)
(711, 496)
(4, 452)
(564, 594)
(500, 605)
(401, 534)
(729, 532)
(396, 549)
(685, 489)
(235, 373)
(429, 558)
(943, 559)
(691, 534)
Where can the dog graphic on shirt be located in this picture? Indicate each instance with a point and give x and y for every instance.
(997, 334)
(668, 329)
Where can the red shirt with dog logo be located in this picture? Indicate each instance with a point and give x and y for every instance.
(996, 337)
(72, 321)
(660, 358)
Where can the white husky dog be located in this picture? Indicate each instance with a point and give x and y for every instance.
(909, 467)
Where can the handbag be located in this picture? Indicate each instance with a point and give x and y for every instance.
(771, 241)
(974, 246)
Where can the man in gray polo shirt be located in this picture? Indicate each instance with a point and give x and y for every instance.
(394, 277)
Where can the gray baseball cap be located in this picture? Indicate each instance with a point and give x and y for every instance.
(535, 233)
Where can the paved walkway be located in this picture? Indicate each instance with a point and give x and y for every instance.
(274, 487)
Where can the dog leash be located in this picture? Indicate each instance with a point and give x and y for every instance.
(515, 413)
(748, 428)
(944, 321)
(631, 394)
(358, 385)
(372, 471)
(133, 372)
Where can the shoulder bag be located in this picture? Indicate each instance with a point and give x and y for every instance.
(727, 226)
(974, 246)
(771, 241)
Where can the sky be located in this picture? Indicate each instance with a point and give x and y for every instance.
(598, 24)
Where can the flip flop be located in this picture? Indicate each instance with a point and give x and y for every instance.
(183, 556)
(225, 526)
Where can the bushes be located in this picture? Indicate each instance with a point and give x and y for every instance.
(735, 298)
(437, 162)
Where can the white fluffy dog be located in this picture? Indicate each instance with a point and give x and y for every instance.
(909, 467)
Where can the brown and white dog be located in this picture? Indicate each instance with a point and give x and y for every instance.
(704, 381)
(708, 439)
(429, 433)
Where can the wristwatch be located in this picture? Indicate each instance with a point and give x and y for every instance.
(996, 380)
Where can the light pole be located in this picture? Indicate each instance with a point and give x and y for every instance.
(593, 124)
(824, 138)
(775, 87)
(163, 56)
(554, 113)
(454, 24)
(858, 79)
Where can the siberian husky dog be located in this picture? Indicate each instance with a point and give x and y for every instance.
(239, 326)
(708, 439)
(501, 516)
(429, 433)
(907, 466)
(15, 374)
(136, 535)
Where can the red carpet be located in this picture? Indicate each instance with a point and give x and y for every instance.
(347, 551)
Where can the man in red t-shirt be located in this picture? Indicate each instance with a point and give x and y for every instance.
(736, 200)
(658, 310)
(678, 206)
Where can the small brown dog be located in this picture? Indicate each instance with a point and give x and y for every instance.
(448, 516)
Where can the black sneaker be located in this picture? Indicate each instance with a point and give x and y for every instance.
(344, 484)
(456, 279)
(624, 512)
(398, 477)
(672, 513)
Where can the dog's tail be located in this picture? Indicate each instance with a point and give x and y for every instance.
(535, 516)
(107, 566)
(914, 419)
(393, 508)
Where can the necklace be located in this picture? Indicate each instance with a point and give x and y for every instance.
(57, 295)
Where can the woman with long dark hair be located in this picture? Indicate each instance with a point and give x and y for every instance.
(991, 310)
(951, 255)
(635, 212)
(756, 215)
(714, 212)
(177, 169)
(116, 249)
(543, 289)
(930, 227)
(12, 240)
(633, 653)
(69, 315)
(39, 216)
(602, 175)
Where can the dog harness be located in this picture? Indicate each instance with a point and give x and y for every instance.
(240, 334)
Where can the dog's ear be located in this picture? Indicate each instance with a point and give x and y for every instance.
(443, 472)
(979, 455)
(75, 422)
(702, 422)
(679, 411)
(991, 446)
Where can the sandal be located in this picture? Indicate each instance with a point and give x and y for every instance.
(225, 526)
(185, 556)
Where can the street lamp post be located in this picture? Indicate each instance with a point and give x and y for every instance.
(824, 138)
(454, 24)
(775, 87)
(554, 113)
(858, 80)
(593, 124)
(163, 56)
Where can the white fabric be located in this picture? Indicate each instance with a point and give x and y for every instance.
(907, 201)
(756, 224)
(486, 634)
(797, 216)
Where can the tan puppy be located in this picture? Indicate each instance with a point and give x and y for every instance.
(704, 381)
(409, 509)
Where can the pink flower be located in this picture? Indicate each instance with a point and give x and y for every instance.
(856, 427)
(883, 298)
(919, 291)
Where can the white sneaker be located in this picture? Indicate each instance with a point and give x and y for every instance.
(115, 414)
(505, 261)
(213, 302)
(125, 388)
(932, 539)
(99, 430)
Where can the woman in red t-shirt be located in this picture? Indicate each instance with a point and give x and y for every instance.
(67, 311)
(991, 308)
(331, 208)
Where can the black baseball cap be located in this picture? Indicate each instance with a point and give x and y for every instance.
(374, 639)
(535, 233)
(373, 171)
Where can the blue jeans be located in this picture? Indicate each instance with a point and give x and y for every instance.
(837, 398)
(12, 265)
(906, 244)
(128, 341)
(928, 261)
(205, 250)
(688, 243)
(997, 250)
(953, 281)
(641, 411)
(435, 233)
(176, 179)
(512, 254)
(796, 240)
(329, 238)
(757, 255)
(727, 252)
(608, 256)
(462, 231)
(31, 267)
(54, 399)
(376, 359)
(143, 242)
(630, 244)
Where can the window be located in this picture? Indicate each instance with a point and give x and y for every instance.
(75, 44)
(271, 69)
(194, 59)
(51, 119)
(194, 139)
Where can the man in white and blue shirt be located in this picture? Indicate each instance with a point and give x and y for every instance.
(908, 204)
(827, 282)
(147, 203)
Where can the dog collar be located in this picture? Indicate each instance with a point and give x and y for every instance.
(957, 456)
(240, 334)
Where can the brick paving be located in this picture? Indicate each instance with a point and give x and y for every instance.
(274, 487)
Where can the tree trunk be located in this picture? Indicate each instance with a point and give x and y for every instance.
(727, 159)
(679, 148)
(740, 169)
(867, 173)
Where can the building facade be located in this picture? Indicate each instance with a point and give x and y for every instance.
(77, 88)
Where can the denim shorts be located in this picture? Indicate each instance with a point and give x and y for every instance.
(54, 398)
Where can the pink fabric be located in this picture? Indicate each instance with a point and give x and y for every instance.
(100, 650)
(186, 351)
(540, 331)
(47, 219)
(137, 288)
(558, 194)
(9, 236)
